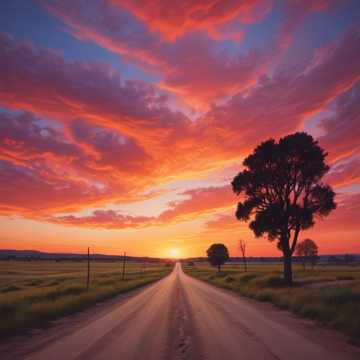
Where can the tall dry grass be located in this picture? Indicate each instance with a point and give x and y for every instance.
(32, 293)
(329, 294)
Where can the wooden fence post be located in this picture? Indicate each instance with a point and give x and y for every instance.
(124, 261)
(88, 270)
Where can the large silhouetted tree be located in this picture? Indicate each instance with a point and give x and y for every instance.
(282, 190)
(217, 254)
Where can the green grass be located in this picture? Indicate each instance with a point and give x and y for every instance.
(32, 293)
(317, 294)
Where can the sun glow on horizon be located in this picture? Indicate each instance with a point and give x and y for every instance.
(174, 253)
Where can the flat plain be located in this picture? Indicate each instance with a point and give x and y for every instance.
(34, 292)
(329, 294)
(180, 317)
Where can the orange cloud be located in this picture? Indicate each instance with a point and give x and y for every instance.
(181, 17)
(342, 130)
(200, 202)
(100, 160)
(108, 219)
(31, 190)
(189, 67)
(190, 63)
(24, 135)
(281, 104)
(345, 173)
(223, 221)
(104, 98)
(98, 127)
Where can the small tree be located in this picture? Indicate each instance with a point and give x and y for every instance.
(217, 254)
(308, 251)
(242, 247)
(333, 259)
(348, 258)
(282, 190)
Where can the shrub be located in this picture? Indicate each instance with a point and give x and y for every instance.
(338, 296)
(10, 288)
(281, 300)
(317, 311)
(34, 282)
(265, 295)
(270, 281)
(247, 277)
(219, 275)
(345, 277)
(347, 321)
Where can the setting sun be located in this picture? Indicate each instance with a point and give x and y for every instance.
(174, 253)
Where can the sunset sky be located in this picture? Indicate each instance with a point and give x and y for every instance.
(123, 122)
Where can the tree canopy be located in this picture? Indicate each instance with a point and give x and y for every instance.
(217, 254)
(282, 190)
(308, 250)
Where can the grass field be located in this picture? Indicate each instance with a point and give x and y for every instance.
(32, 293)
(330, 294)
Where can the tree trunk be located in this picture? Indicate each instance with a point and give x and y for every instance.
(288, 269)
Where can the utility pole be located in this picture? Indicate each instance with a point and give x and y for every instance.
(124, 261)
(88, 270)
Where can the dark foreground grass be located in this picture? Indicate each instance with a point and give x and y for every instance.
(329, 294)
(32, 293)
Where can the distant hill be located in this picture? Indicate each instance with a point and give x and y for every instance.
(39, 255)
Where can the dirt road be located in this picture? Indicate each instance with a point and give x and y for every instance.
(182, 318)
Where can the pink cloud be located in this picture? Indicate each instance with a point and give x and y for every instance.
(223, 221)
(36, 189)
(344, 217)
(69, 89)
(204, 201)
(189, 67)
(181, 17)
(199, 74)
(118, 117)
(342, 130)
(108, 219)
(281, 104)
(23, 136)
(345, 173)
(96, 158)
(295, 12)
(200, 201)
(66, 90)
(177, 41)
(111, 150)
